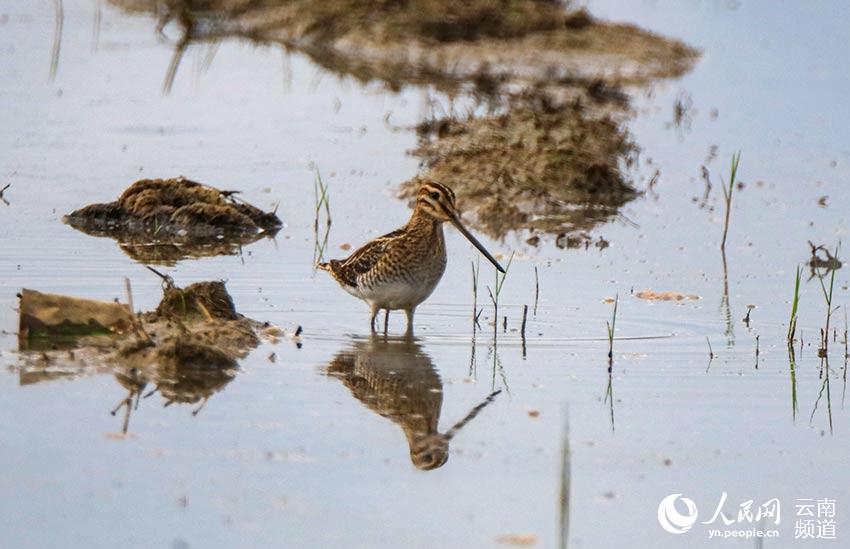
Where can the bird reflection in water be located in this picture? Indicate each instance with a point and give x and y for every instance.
(395, 378)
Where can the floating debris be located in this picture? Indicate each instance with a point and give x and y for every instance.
(518, 540)
(649, 295)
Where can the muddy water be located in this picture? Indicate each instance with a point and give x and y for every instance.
(287, 455)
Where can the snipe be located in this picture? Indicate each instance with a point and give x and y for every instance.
(400, 270)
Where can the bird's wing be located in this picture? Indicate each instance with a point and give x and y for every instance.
(364, 258)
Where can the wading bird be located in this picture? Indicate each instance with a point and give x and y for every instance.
(400, 270)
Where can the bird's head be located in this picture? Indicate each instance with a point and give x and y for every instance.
(438, 201)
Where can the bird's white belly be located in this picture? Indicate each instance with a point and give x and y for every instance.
(398, 295)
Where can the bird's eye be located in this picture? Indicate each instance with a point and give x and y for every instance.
(435, 195)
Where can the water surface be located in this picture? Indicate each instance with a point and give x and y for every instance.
(286, 455)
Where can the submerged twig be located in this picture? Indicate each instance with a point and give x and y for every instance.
(536, 290)
(846, 356)
(609, 396)
(522, 327)
(725, 306)
(57, 38)
(757, 352)
(564, 507)
(792, 366)
(824, 388)
(98, 17)
(710, 355)
(476, 268)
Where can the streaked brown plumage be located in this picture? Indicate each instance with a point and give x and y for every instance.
(400, 269)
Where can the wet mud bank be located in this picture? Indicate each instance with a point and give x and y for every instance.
(188, 348)
(546, 151)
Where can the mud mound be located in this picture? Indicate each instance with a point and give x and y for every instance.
(164, 220)
(538, 168)
(172, 206)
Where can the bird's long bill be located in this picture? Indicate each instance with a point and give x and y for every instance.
(456, 222)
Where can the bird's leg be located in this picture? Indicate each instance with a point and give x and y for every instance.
(409, 312)
(386, 320)
(375, 310)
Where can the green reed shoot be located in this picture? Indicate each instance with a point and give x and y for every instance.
(322, 199)
(611, 327)
(320, 190)
(792, 322)
(494, 297)
(727, 195)
(476, 269)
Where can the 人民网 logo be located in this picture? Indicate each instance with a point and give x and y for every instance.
(671, 519)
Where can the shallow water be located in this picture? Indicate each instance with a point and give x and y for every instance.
(286, 455)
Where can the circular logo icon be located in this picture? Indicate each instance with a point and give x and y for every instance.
(671, 520)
